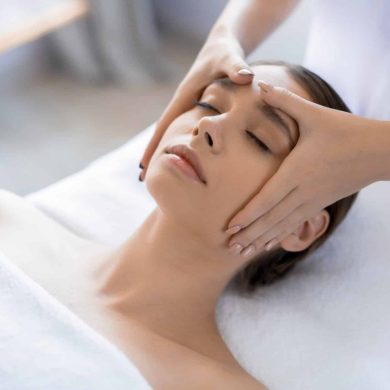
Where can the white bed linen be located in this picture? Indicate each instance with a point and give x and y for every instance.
(45, 346)
(326, 326)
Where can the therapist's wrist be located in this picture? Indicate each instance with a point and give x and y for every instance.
(221, 31)
(225, 41)
(225, 35)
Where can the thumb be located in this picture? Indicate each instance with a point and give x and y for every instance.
(239, 71)
(287, 101)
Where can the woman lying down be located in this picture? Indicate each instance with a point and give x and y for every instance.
(154, 296)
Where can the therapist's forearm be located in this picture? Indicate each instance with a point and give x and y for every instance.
(251, 21)
(383, 150)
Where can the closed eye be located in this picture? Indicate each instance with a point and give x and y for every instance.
(206, 105)
(258, 142)
(261, 144)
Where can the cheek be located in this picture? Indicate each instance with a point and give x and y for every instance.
(243, 181)
(177, 197)
(183, 124)
(180, 126)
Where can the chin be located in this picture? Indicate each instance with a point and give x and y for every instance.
(171, 195)
(177, 200)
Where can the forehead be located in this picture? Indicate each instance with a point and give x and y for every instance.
(277, 76)
(273, 74)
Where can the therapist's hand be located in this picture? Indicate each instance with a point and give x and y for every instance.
(220, 56)
(335, 156)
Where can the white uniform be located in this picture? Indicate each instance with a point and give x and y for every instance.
(349, 46)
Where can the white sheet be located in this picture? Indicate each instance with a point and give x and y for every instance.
(327, 326)
(44, 346)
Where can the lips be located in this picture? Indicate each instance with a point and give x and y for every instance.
(187, 154)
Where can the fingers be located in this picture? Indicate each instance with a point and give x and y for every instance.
(234, 67)
(280, 231)
(181, 102)
(269, 221)
(273, 236)
(275, 190)
(285, 100)
(239, 71)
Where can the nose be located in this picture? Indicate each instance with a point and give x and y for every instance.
(209, 130)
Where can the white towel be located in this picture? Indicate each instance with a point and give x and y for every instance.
(326, 326)
(45, 346)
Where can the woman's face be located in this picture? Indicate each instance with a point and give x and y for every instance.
(222, 133)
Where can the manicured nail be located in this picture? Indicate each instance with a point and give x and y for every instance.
(245, 72)
(248, 251)
(264, 86)
(235, 248)
(234, 229)
(139, 177)
(141, 166)
(270, 244)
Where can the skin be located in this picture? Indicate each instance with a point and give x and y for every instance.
(240, 28)
(170, 273)
(349, 152)
(157, 292)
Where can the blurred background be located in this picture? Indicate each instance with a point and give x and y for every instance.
(80, 78)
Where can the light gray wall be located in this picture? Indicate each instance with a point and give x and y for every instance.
(22, 63)
(192, 19)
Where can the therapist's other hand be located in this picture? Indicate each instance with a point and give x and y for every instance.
(332, 159)
(220, 56)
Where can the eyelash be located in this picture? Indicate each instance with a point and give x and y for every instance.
(261, 144)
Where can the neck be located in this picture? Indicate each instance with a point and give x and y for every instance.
(168, 278)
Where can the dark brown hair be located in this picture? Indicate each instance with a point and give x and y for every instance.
(266, 268)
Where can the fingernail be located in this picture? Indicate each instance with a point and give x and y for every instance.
(264, 86)
(270, 244)
(139, 177)
(234, 229)
(235, 248)
(141, 166)
(245, 72)
(248, 251)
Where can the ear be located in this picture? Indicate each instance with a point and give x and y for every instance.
(306, 233)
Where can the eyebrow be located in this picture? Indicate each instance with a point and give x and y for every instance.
(265, 109)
